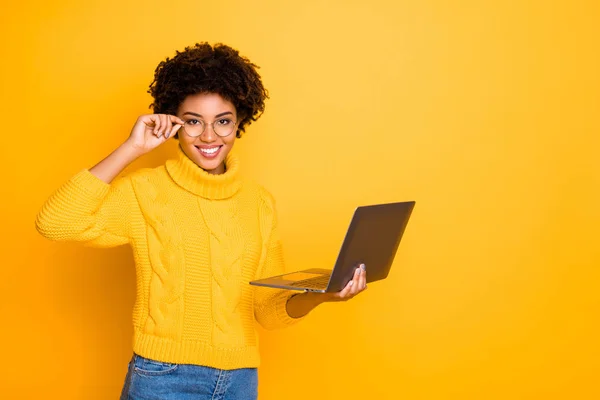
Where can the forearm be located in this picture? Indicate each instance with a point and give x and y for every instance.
(301, 304)
(88, 207)
(109, 168)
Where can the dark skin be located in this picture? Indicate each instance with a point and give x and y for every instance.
(150, 131)
(203, 68)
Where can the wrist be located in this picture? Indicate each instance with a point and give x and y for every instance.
(129, 151)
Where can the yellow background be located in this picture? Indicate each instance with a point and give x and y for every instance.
(485, 113)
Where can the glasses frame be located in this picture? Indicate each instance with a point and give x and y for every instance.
(211, 124)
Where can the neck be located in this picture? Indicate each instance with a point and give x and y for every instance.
(220, 183)
(217, 171)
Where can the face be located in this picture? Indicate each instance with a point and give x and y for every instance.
(208, 150)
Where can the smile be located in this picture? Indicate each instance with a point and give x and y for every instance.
(209, 152)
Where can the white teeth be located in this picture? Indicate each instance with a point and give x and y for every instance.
(210, 151)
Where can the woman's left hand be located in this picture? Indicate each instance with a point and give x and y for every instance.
(301, 304)
(357, 285)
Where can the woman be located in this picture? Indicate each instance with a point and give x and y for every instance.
(198, 232)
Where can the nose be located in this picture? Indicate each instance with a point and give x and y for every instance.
(209, 134)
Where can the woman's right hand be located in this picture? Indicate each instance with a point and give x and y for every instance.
(152, 130)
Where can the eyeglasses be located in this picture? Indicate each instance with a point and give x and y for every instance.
(222, 127)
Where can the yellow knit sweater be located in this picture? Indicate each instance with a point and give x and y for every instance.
(198, 239)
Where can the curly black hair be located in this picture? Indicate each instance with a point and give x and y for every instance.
(203, 68)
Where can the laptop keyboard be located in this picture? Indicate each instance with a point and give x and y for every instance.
(320, 282)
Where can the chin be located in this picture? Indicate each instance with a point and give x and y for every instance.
(206, 163)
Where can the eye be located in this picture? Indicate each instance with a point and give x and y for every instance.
(193, 122)
(224, 122)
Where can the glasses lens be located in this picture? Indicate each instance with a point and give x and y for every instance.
(194, 127)
(224, 126)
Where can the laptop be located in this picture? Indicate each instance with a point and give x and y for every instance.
(372, 239)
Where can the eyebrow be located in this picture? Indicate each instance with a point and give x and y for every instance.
(198, 115)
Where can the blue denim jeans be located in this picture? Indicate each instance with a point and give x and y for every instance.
(154, 380)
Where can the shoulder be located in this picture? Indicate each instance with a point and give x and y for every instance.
(264, 196)
(149, 183)
(148, 175)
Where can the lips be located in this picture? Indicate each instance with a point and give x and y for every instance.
(209, 151)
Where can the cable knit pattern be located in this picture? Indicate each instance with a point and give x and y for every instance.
(167, 261)
(226, 247)
(197, 239)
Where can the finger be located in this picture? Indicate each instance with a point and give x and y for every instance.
(363, 280)
(176, 120)
(149, 120)
(164, 124)
(363, 277)
(171, 123)
(355, 282)
(156, 119)
(157, 124)
(344, 293)
(173, 131)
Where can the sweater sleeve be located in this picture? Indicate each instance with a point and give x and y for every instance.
(87, 209)
(270, 305)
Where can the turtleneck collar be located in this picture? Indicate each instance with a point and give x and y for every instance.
(191, 177)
